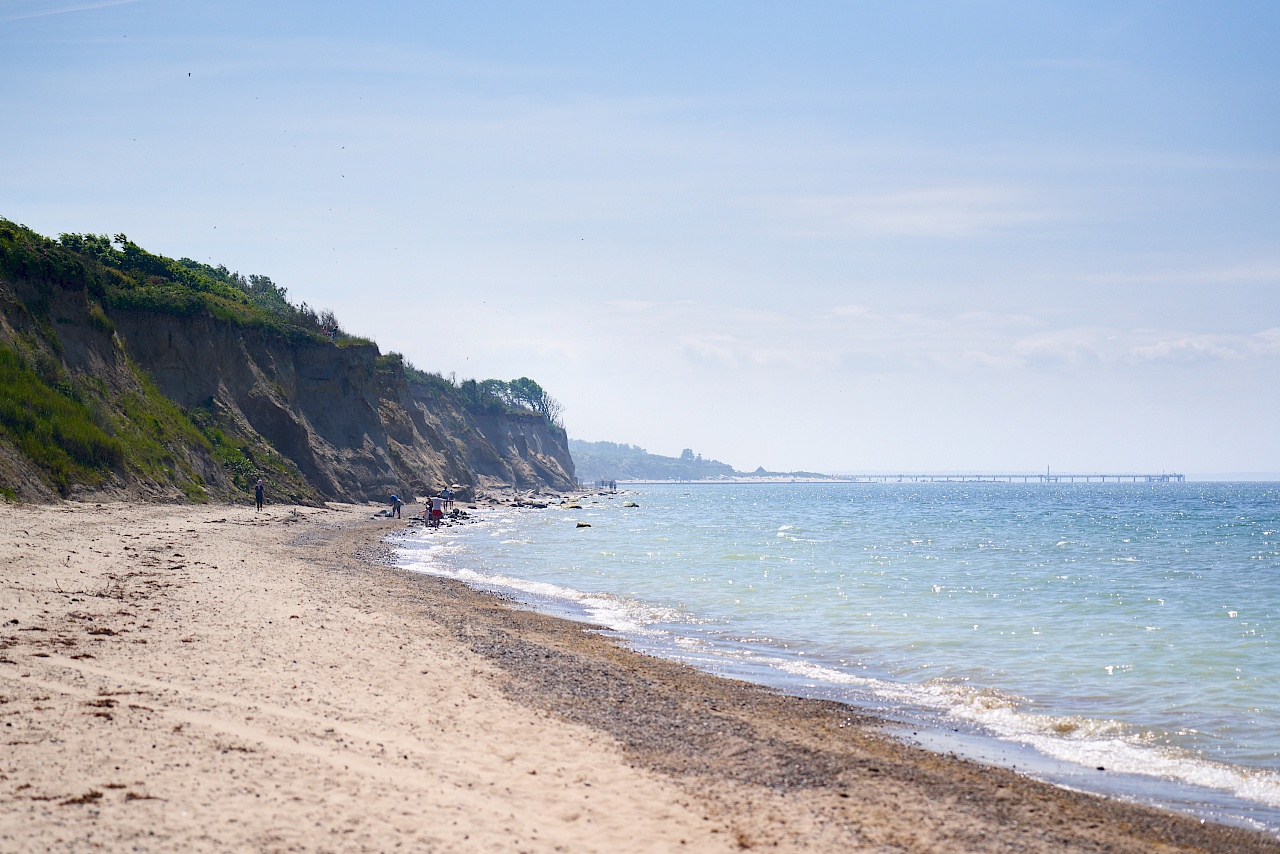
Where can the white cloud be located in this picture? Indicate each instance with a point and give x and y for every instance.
(1268, 340)
(1190, 348)
(947, 212)
(1210, 348)
(710, 349)
(41, 10)
(1062, 348)
(851, 310)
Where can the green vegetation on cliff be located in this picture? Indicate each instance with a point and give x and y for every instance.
(135, 279)
(491, 396)
(76, 430)
(55, 430)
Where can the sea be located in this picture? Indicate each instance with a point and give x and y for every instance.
(1114, 638)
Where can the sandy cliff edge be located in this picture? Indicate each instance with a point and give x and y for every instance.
(210, 679)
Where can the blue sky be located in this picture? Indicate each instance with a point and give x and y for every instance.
(847, 236)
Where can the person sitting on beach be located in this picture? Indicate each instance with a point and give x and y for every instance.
(396, 504)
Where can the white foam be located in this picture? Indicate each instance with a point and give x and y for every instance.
(1083, 741)
(613, 612)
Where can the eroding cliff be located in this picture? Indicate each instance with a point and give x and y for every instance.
(190, 390)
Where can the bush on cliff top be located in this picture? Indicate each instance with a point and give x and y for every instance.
(488, 396)
(121, 274)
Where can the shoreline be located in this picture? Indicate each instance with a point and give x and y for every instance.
(928, 735)
(509, 728)
(919, 725)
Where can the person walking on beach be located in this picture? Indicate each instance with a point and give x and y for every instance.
(257, 494)
(396, 504)
(437, 510)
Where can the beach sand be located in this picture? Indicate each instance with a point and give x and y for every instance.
(204, 678)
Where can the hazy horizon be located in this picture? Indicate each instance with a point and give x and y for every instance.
(1191, 476)
(931, 236)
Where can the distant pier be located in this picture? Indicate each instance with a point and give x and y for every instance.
(1047, 477)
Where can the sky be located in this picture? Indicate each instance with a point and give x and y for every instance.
(848, 236)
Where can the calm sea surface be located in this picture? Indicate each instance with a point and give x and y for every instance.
(1056, 628)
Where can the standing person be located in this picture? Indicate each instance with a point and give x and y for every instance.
(396, 504)
(257, 494)
(437, 510)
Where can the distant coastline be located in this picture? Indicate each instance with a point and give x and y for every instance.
(926, 477)
(603, 463)
(737, 481)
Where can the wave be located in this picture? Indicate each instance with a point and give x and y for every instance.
(1077, 740)
(1083, 741)
(619, 614)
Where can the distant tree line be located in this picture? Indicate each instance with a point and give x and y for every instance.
(613, 461)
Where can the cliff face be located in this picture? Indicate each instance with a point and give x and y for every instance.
(224, 402)
(516, 449)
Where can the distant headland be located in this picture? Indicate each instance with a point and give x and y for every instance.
(608, 461)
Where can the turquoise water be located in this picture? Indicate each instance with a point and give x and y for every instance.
(1067, 627)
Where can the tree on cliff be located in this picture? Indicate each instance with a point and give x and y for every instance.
(527, 392)
(522, 393)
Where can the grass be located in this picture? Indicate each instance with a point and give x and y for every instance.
(233, 460)
(246, 459)
(99, 318)
(78, 432)
(154, 432)
(52, 428)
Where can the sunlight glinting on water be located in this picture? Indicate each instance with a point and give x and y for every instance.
(1120, 626)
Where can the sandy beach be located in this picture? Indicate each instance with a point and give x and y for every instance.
(204, 678)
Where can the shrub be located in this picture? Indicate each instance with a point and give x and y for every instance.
(51, 428)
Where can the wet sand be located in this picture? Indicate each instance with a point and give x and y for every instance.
(211, 679)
